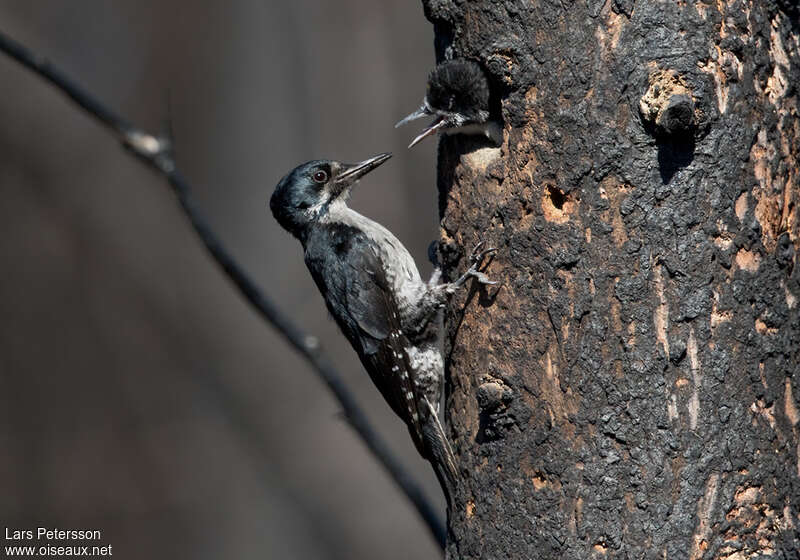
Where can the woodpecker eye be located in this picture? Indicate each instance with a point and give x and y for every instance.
(320, 176)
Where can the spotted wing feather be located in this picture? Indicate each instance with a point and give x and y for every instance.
(348, 271)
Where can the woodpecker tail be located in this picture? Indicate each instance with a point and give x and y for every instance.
(439, 452)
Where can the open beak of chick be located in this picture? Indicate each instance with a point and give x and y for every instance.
(432, 128)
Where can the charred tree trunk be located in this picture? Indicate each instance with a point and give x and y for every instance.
(631, 390)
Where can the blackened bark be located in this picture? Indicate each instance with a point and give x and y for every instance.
(631, 390)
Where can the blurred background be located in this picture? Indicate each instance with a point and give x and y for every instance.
(139, 395)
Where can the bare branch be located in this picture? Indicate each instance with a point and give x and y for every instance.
(156, 152)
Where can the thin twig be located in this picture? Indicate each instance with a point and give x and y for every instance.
(157, 153)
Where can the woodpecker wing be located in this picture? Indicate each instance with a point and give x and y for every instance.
(346, 267)
(373, 304)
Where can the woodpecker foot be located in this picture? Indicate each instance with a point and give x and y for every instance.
(479, 253)
(476, 260)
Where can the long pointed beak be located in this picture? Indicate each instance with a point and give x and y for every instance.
(431, 129)
(418, 114)
(355, 171)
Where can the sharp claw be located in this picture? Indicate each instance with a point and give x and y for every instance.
(478, 255)
(476, 259)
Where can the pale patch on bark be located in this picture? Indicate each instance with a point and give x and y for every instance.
(762, 328)
(565, 324)
(774, 193)
(776, 49)
(775, 208)
(561, 404)
(557, 206)
(723, 239)
(540, 482)
(576, 516)
(723, 242)
(719, 66)
(705, 508)
(619, 234)
(746, 496)
(787, 517)
(697, 378)
(777, 84)
(767, 412)
(789, 408)
(791, 300)
(631, 334)
(702, 10)
(661, 313)
(470, 509)
(609, 31)
(718, 317)
(713, 68)
(741, 206)
(748, 260)
(480, 159)
(672, 407)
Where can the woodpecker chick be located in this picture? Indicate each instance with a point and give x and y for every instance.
(373, 290)
(458, 96)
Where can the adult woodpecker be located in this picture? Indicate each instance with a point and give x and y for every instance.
(371, 286)
(458, 96)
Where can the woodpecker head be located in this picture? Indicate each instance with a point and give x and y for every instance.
(307, 192)
(457, 95)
